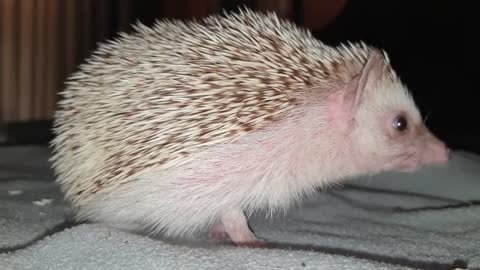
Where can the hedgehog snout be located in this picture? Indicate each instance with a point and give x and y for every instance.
(435, 151)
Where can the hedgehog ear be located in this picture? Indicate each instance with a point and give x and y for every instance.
(344, 104)
(371, 74)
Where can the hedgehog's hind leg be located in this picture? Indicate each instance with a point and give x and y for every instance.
(233, 224)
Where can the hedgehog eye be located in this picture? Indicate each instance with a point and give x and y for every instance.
(400, 123)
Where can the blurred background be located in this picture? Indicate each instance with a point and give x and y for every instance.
(43, 41)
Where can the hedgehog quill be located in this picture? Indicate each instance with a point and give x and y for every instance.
(193, 126)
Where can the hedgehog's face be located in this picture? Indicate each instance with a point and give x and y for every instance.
(389, 133)
(384, 126)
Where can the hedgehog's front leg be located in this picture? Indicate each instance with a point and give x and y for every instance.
(233, 224)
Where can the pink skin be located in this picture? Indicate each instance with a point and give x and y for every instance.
(370, 142)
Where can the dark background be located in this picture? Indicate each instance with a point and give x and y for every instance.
(426, 41)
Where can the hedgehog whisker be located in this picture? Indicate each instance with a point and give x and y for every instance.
(426, 117)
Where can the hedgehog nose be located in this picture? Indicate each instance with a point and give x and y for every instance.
(436, 151)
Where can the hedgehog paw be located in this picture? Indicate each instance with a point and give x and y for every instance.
(234, 224)
(217, 232)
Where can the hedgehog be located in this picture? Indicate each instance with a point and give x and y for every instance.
(191, 126)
